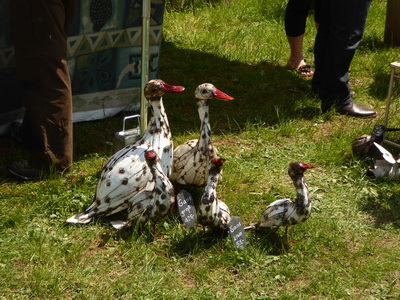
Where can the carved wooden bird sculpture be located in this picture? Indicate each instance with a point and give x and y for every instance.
(386, 167)
(363, 146)
(156, 199)
(127, 173)
(212, 211)
(285, 212)
(192, 159)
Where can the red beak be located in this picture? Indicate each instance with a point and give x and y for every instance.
(221, 95)
(150, 154)
(308, 166)
(219, 161)
(172, 88)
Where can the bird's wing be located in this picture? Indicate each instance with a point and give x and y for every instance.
(192, 168)
(385, 154)
(224, 214)
(117, 185)
(276, 213)
(183, 148)
(182, 153)
(143, 208)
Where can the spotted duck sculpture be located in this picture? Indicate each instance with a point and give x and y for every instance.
(127, 173)
(192, 159)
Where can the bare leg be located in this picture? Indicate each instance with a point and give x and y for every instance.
(296, 60)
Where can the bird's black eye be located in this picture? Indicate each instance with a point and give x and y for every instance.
(204, 91)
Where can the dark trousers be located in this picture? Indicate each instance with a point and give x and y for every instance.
(339, 34)
(296, 14)
(39, 33)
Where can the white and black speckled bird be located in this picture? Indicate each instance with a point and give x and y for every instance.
(386, 167)
(126, 173)
(156, 199)
(192, 159)
(212, 211)
(285, 212)
(363, 146)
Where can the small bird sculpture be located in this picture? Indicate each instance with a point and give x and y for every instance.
(386, 167)
(126, 173)
(285, 212)
(212, 211)
(363, 146)
(192, 159)
(156, 199)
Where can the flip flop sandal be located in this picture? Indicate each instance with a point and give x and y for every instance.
(305, 70)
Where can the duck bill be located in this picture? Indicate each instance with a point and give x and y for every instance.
(308, 166)
(392, 129)
(172, 88)
(221, 95)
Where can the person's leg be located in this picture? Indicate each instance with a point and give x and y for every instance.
(48, 117)
(348, 18)
(295, 23)
(320, 45)
(39, 35)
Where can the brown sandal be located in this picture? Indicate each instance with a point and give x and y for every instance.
(305, 70)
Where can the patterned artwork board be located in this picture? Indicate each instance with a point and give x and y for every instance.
(104, 58)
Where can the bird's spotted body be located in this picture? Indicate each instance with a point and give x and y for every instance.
(127, 174)
(285, 212)
(156, 199)
(212, 211)
(192, 159)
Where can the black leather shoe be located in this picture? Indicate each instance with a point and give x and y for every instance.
(355, 110)
(23, 170)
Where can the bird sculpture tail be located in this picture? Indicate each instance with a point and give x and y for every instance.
(119, 224)
(80, 218)
(251, 226)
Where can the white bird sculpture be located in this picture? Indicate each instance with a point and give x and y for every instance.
(192, 159)
(363, 146)
(386, 167)
(156, 199)
(212, 211)
(126, 173)
(285, 212)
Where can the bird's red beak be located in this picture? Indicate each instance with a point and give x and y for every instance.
(150, 155)
(172, 88)
(221, 95)
(219, 161)
(308, 166)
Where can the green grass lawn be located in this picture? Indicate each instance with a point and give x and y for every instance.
(348, 249)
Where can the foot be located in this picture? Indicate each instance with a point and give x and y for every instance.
(355, 110)
(23, 170)
(300, 67)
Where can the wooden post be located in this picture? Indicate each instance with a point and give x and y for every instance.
(392, 26)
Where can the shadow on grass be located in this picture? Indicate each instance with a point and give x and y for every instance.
(195, 240)
(268, 241)
(384, 208)
(264, 93)
(259, 91)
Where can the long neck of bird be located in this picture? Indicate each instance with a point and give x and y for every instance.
(211, 186)
(205, 128)
(158, 120)
(302, 193)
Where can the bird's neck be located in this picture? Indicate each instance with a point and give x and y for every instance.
(205, 128)
(302, 193)
(159, 119)
(211, 188)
